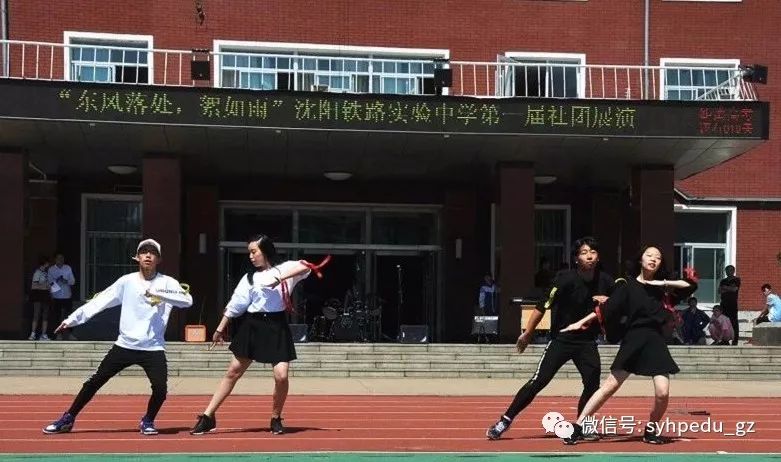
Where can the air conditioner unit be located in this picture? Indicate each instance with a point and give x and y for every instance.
(319, 88)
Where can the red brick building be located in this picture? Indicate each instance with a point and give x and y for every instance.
(424, 213)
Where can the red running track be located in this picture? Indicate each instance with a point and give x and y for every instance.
(376, 423)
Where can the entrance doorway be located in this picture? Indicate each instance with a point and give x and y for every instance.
(383, 272)
(403, 286)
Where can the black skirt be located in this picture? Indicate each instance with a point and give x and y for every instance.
(265, 338)
(40, 296)
(643, 351)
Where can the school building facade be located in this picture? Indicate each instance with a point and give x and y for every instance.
(422, 144)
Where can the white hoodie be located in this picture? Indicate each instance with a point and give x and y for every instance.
(143, 319)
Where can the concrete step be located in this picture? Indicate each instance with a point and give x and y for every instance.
(521, 376)
(382, 360)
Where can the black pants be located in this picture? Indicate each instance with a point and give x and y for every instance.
(154, 364)
(61, 307)
(762, 319)
(586, 358)
(732, 313)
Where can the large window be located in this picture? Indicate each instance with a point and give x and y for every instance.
(111, 230)
(691, 79)
(548, 75)
(326, 224)
(552, 230)
(551, 238)
(704, 239)
(323, 68)
(108, 58)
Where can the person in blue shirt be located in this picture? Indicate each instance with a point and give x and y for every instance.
(772, 311)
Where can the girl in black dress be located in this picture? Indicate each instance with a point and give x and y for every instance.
(641, 312)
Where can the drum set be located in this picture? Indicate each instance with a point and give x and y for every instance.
(348, 321)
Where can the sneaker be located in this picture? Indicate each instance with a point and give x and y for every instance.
(577, 435)
(32, 336)
(495, 431)
(653, 438)
(276, 426)
(44, 337)
(590, 436)
(147, 427)
(63, 425)
(205, 424)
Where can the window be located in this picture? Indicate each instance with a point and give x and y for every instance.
(690, 79)
(551, 236)
(108, 58)
(546, 75)
(268, 66)
(242, 223)
(705, 240)
(111, 230)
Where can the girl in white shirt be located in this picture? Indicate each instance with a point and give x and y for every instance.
(39, 296)
(147, 298)
(262, 299)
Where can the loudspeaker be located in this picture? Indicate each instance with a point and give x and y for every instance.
(443, 78)
(485, 325)
(413, 333)
(200, 70)
(299, 332)
(758, 74)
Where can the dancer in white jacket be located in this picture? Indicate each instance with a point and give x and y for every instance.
(147, 298)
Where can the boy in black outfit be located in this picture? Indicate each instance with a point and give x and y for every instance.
(573, 296)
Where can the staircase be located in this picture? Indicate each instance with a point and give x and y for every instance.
(27, 358)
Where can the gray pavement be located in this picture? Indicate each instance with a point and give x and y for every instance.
(636, 386)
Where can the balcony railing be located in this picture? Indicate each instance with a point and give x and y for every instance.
(356, 74)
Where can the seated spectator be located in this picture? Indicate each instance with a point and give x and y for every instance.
(772, 311)
(694, 322)
(720, 327)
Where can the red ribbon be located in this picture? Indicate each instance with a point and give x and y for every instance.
(691, 274)
(600, 317)
(286, 297)
(316, 267)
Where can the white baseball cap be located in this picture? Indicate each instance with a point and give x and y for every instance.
(148, 243)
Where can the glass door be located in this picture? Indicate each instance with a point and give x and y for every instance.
(708, 261)
(403, 290)
(339, 295)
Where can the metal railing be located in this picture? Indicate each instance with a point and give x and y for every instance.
(563, 80)
(360, 74)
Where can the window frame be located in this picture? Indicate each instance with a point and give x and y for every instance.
(575, 58)
(85, 198)
(567, 231)
(730, 244)
(706, 1)
(70, 36)
(325, 50)
(672, 63)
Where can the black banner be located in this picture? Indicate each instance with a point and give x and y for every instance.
(64, 101)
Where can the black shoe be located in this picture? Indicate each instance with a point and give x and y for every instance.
(276, 426)
(653, 438)
(577, 435)
(205, 424)
(495, 431)
(591, 436)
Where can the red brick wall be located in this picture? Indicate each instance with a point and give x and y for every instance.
(607, 31)
(759, 240)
